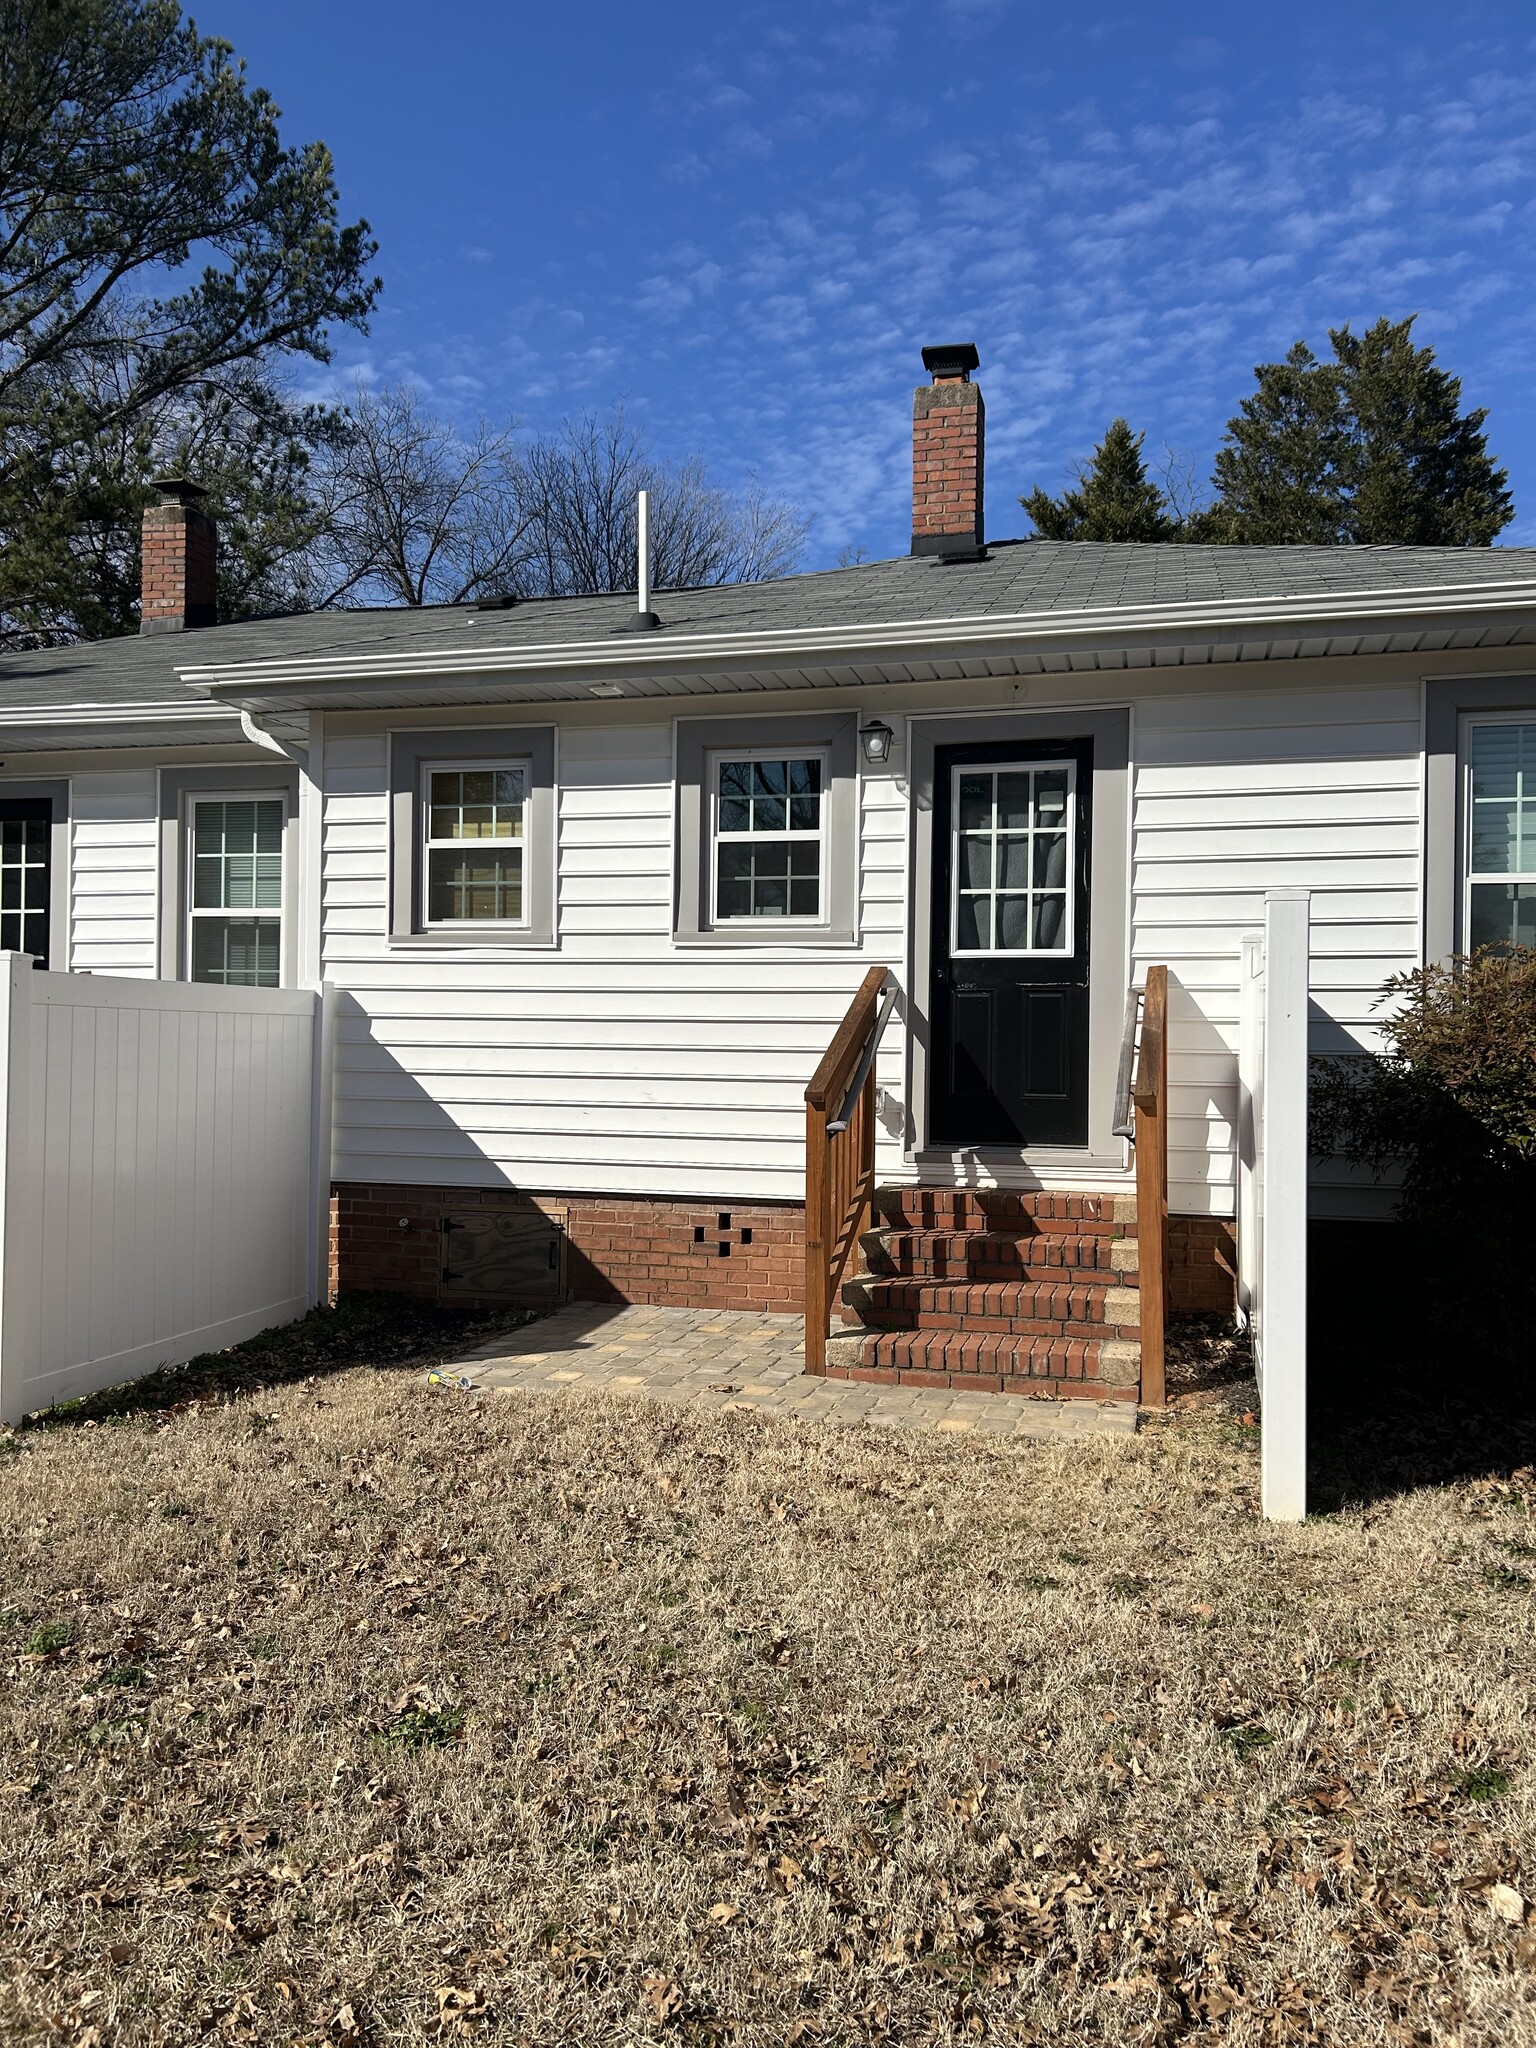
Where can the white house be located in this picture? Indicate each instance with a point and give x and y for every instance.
(595, 898)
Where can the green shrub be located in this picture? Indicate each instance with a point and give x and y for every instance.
(1450, 1107)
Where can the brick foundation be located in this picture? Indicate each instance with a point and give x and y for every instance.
(1202, 1260)
(665, 1249)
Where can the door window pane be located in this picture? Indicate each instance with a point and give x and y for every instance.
(1012, 858)
(24, 877)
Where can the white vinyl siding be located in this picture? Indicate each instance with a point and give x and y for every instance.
(1273, 788)
(114, 911)
(615, 1062)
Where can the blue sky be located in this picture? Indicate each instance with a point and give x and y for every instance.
(747, 219)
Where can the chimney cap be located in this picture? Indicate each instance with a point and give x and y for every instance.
(952, 359)
(179, 490)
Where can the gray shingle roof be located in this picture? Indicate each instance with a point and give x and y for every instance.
(1017, 577)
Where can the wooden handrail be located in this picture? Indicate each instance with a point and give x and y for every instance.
(1150, 1095)
(839, 1164)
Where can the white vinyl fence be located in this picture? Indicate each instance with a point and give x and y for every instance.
(1272, 1189)
(164, 1173)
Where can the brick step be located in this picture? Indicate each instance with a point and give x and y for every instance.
(995, 1254)
(1101, 1368)
(1007, 1308)
(918, 1208)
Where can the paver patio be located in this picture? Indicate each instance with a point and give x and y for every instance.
(732, 1359)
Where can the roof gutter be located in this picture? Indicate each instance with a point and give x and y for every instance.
(1223, 620)
(110, 714)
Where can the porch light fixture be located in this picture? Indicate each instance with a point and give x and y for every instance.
(875, 739)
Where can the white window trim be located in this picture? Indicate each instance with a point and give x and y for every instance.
(1063, 952)
(235, 794)
(1470, 878)
(468, 926)
(716, 759)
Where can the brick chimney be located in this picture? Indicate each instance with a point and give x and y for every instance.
(179, 576)
(948, 435)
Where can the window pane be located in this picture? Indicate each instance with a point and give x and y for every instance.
(1051, 860)
(1496, 836)
(770, 778)
(481, 887)
(736, 779)
(976, 862)
(478, 804)
(241, 952)
(735, 814)
(237, 855)
(1499, 752)
(1013, 923)
(1013, 862)
(1050, 922)
(1503, 914)
(973, 924)
(1013, 800)
(1504, 799)
(767, 879)
(805, 814)
(805, 778)
(769, 814)
(1051, 797)
(975, 802)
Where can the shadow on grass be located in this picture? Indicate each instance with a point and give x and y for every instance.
(1391, 1433)
(1405, 1387)
(391, 1331)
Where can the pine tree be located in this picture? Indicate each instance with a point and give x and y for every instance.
(1280, 476)
(1371, 448)
(1115, 498)
(1418, 468)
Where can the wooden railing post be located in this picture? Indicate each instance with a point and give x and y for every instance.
(818, 1307)
(839, 1165)
(1151, 1097)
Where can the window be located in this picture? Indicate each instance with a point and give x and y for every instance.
(1501, 808)
(236, 913)
(767, 823)
(472, 836)
(1013, 828)
(26, 831)
(473, 849)
(768, 837)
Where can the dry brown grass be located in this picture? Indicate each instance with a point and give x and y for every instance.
(352, 1714)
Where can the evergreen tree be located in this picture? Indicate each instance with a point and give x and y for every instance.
(1371, 448)
(1419, 470)
(1115, 498)
(1280, 475)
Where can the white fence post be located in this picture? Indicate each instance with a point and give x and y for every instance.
(1282, 1276)
(1250, 1134)
(321, 1111)
(18, 1217)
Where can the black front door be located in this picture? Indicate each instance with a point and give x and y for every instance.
(1009, 998)
(26, 833)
